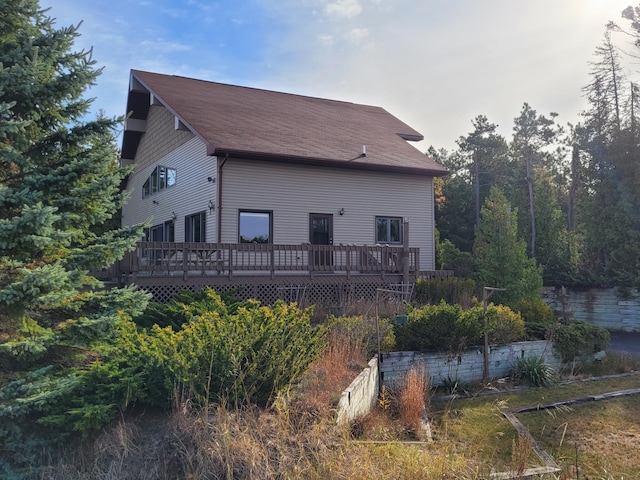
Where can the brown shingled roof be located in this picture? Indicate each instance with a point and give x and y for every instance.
(253, 123)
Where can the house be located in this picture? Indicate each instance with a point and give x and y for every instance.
(221, 165)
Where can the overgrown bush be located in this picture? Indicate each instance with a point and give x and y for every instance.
(437, 327)
(578, 340)
(447, 327)
(450, 290)
(187, 304)
(535, 310)
(538, 331)
(534, 370)
(242, 358)
(362, 333)
(451, 258)
(504, 325)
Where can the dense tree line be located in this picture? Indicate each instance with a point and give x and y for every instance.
(574, 189)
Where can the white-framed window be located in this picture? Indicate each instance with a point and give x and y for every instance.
(255, 226)
(389, 230)
(195, 227)
(162, 177)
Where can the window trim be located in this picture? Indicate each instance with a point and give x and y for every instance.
(388, 218)
(269, 214)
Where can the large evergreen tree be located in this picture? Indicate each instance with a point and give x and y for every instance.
(454, 200)
(533, 134)
(607, 198)
(59, 188)
(486, 150)
(500, 255)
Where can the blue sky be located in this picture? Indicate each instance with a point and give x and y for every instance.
(435, 64)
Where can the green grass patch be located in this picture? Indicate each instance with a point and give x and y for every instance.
(475, 427)
(599, 437)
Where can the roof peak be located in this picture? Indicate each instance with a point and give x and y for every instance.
(269, 124)
(247, 87)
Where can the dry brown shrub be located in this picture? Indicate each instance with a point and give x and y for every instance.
(330, 374)
(248, 443)
(412, 398)
(521, 450)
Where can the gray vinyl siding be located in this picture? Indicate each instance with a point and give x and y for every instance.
(160, 138)
(190, 194)
(292, 192)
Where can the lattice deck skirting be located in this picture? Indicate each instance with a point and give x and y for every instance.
(331, 292)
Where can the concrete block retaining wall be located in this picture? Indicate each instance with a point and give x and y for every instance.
(601, 307)
(361, 395)
(467, 367)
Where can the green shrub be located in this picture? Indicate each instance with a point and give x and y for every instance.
(450, 290)
(242, 358)
(447, 327)
(537, 331)
(534, 371)
(187, 304)
(504, 325)
(451, 258)
(535, 311)
(438, 327)
(577, 340)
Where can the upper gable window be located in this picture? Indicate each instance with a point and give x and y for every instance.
(162, 177)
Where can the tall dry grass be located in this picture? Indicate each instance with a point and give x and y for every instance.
(521, 450)
(255, 444)
(330, 374)
(412, 397)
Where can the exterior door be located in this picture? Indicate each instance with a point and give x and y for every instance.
(321, 233)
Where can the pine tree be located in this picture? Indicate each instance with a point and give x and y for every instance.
(59, 187)
(533, 134)
(500, 255)
(485, 149)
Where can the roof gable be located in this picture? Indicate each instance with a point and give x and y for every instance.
(254, 123)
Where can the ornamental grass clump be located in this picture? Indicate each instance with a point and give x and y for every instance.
(534, 371)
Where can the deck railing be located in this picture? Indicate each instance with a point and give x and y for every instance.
(228, 258)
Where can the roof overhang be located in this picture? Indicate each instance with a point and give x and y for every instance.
(324, 162)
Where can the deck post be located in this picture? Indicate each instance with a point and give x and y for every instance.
(185, 261)
(272, 258)
(347, 258)
(405, 251)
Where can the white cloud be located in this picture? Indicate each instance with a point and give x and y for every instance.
(358, 35)
(344, 8)
(437, 65)
(326, 40)
(175, 12)
(159, 46)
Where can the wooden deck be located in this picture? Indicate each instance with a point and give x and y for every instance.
(329, 275)
(255, 259)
